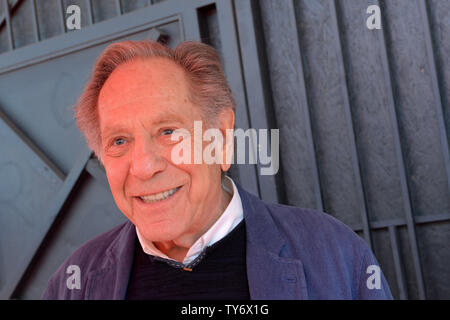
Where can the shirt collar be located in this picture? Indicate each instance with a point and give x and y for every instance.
(229, 219)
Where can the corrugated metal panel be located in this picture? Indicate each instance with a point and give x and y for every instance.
(376, 106)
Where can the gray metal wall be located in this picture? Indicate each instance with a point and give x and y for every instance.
(363, 118)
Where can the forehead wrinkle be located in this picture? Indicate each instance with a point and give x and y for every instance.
(161, 110)
(156, 72)
(128, 83)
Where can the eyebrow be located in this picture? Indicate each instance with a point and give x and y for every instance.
(163, 118)
(168, 117)
(108, 131)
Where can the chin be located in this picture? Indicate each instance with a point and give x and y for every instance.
(159, 231)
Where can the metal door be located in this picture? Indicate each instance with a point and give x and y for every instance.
(54, 195)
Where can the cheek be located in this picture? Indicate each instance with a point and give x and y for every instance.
(202, 175)
(203, 178)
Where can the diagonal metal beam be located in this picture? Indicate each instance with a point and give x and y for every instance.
(30, 144)
(42, 173)
(6, 8)
(12, 7)
(97, 171)
(55, 208)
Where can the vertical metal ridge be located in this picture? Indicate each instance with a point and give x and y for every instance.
(307, 113)
(401, 167)
(255, 82)
(37, 36)
(118, 7)
(351, 133)
(62, 15)
(435, 84)
(89, 11)
(233, 70)
(191, 26)
(8, 24)
(398, 263)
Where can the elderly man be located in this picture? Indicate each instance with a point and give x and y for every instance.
(192, 232)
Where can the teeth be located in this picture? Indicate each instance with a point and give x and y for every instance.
(160, 196)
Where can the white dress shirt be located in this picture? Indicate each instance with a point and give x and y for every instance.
(229, 219)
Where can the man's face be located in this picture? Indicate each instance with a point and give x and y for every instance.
(139, 106)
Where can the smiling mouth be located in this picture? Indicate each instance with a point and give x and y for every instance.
(159, 196)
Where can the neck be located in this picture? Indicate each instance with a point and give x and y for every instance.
(177, 249)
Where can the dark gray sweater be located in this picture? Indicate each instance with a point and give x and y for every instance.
(218, 273)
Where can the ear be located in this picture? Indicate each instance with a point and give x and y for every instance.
(226, 126)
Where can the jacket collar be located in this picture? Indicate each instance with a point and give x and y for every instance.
(110, 282)
(261, 229)
(271, 272)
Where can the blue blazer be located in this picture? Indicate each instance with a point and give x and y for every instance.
(292, 253)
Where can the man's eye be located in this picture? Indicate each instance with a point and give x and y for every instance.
(119, 141)
(167, 132)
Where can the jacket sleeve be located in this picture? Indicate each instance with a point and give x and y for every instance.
(372, 282)
(57, 286)
(50, 292)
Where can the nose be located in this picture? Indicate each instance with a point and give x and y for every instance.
(146, 160)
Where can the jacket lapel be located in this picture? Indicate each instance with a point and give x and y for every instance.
(110, 282)
(272, 273)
